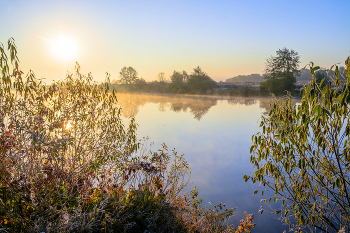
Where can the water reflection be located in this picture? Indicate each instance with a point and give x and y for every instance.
(215, 135)
(264, 103)
(197, 106)
(242, 101)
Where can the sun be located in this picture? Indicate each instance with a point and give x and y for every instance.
(64, 47)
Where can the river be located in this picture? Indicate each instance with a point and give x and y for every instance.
(215, 135)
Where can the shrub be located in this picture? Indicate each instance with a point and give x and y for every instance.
(302, 154)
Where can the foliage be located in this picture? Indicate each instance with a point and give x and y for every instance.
(199, 81)
(247, 224)
(205, 219)
(302, 154)
(177, 78)
(322, 76)
(129, 81)
(286, 61)
(180, 83)
(160, 77)
(281, 72)
(128, 75)
(68, 164)
(177, 84)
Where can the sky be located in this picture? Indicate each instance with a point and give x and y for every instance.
(224, 38)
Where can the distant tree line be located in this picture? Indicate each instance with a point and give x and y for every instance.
(180, 82)
(281, 74)
(305, 75)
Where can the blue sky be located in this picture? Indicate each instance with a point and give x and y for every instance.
(225, 38)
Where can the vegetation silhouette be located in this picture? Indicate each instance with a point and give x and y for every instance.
(281, 72)
(198, 82)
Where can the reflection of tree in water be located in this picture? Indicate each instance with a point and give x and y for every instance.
(198, 106)
(241, 101)
(130, 104)
(266, 104)
(178, 107)
(161, 106)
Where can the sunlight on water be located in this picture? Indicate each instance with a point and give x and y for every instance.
(68, 125)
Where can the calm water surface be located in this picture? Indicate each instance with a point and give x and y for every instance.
(215, 135)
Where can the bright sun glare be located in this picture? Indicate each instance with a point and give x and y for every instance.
(64, 47)
(68, 125)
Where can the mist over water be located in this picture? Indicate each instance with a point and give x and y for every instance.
(215, 135)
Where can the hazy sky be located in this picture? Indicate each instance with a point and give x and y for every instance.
(225, 38)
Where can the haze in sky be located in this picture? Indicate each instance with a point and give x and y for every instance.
(224, 38)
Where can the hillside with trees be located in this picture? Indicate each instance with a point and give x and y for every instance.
(246, 78)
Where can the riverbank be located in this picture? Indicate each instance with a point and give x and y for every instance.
(226, 90)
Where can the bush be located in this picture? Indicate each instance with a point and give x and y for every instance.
(302, 154)
(278, 86)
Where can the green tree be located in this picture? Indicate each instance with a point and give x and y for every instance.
(176, 77)
(303, 155)
(281, 72)
(200, 81)
(128, 75)
(177, 84)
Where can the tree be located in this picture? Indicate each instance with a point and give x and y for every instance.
(303, 155)
(177, 84)
(281, 71)
(176, 77)
(200, 81)
(128, 75)
(184, 75)
(161, 77)
(199, 72)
